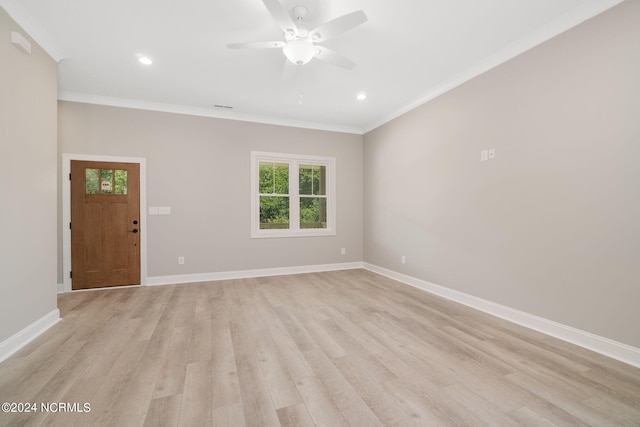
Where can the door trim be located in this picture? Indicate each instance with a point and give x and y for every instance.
(66, 211)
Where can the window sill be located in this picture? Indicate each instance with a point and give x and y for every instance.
(276, 234)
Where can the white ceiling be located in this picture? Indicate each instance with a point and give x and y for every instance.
(408, 52)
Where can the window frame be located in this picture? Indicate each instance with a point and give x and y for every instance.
(294, 161)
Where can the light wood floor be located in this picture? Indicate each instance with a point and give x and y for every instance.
(344, 348)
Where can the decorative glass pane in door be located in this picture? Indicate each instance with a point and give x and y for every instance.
(91, 181)
(121, 181)
(106, 181)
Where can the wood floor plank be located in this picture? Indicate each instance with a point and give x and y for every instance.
(164, 412)
(226, 388)
(232, 415)
(151, 313)
(281, 386)
(115, 383)
(200, 345)
(371, 389)
(322, 338)
(353, 408)
(342, 348)
(172, 376)
(256, 399)
(415, 404)
(618, 411)
(135, 397)
(83, 391)
(486, 412)
(195, 408)
(43, 373)
(556, 391)
(413, 351)
(291, 355)
(321, 407)
(295, 416)
(526, 417)
(295, 330)
(161, 335)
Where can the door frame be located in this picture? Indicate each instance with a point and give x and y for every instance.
(66, 211)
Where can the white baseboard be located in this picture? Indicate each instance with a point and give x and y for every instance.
(616, 350)
(245, 274)
(23, 337)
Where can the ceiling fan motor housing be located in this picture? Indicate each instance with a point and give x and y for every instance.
(299, 48)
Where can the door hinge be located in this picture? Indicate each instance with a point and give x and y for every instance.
(69, 177)
(69, 226)
(71, 275)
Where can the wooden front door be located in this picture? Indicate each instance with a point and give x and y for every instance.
(105, 224)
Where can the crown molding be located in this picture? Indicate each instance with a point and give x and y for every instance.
(33, 29)
(204, 112)
(567, 21)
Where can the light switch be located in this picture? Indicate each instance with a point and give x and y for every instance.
(484, 155)
(153, 210)
(164, 210)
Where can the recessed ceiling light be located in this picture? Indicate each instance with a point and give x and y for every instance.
(145, 60)
(361, 96)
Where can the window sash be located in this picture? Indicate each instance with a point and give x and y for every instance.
(295, 162)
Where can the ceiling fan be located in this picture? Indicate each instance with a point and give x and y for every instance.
(300, 44)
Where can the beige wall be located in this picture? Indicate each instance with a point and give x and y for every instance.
(200, 167)
(552, 225)
(27, 183)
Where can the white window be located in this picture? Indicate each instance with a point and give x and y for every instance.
(292, 195)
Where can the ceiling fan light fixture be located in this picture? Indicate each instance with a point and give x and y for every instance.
(299, 51)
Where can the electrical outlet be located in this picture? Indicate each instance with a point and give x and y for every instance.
(492, 153)
(180, 260)
(343, 251)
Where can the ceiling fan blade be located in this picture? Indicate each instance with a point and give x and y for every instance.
(289, 70)
(338, 26)
(256, 45)
(280, 15)
(327, 55)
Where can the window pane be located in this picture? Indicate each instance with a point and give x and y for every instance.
(106, 181)
(91, 181)
(274, 212)
(274, 178)
(313, 212)
(121, 181)
(313, 180)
